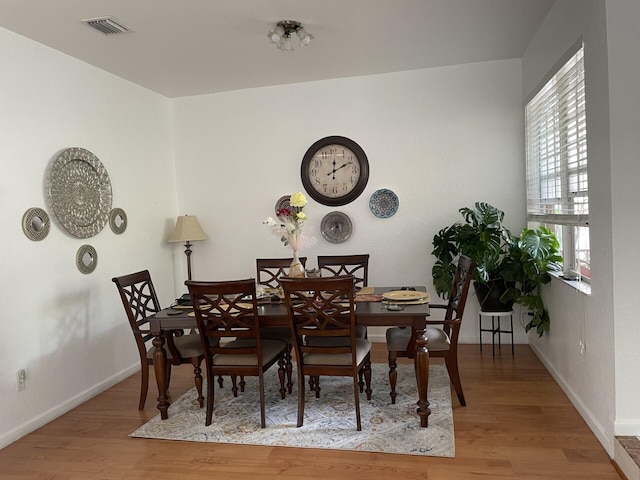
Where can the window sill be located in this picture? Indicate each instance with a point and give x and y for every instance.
(583, 287)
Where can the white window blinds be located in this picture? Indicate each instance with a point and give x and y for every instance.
(556, 147)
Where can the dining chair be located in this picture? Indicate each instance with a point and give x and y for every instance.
(227, 318)
(356, 265)
(441, 341)
(336, 265)
(269, 271)
(323, 325)
(140, 300)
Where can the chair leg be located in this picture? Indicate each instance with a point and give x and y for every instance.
(454, 375)
(198, 381)
(220, 381)
(356, 394)
(144, 386)
(210, 393)
(393, 375)
(234, 385)
(301, 392)
(281, 373)
(367, 377)
(242, 383)
(168, 379)
(316, 386)
(263, 423)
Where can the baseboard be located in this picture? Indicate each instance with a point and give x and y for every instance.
(624, 463)
(33, 424)
(595, 426)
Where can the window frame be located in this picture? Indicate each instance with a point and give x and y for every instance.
(557, 160)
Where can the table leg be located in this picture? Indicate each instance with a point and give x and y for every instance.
(421, 361)
(160, 369)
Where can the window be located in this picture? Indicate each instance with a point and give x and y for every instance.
(556, 151)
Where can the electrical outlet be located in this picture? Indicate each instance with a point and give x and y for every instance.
(22, 380)
(582, 347)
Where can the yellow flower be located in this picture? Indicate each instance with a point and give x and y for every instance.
(301, 216)
(298, 199)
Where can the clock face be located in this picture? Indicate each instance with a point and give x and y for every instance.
(335, 171)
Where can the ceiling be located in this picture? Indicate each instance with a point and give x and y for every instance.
(194, 47)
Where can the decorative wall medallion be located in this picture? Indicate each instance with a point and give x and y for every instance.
(283, 202)
(336, 227)
(36, 224)
(118, 221)
(384, 203)
(80, 192)
(86, 259)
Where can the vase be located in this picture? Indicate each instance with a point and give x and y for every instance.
(296, 269)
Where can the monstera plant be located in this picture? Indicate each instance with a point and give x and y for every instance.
(508, 268)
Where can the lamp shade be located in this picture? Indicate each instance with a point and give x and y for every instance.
(187, 229)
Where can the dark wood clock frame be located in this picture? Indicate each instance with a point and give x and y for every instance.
(360, 185)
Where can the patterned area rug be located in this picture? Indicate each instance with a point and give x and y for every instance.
(329, 421)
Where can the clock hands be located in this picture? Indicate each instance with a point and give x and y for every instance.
(333, 172)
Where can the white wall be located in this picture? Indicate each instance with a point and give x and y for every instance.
(440, 138)
(68, 330)
(624, 90)
(588, 377)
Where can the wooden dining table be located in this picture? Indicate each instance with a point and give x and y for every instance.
(274, 314)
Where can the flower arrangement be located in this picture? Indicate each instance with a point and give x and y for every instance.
(290, 222)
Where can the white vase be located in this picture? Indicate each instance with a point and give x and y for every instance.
(296, 269)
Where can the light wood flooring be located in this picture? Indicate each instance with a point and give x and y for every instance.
(518, 424)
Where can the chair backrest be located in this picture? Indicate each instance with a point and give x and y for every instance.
(140, 300)
(338, 265)
(321, 307)
(460, 288)
(269, 270)
(225, 311)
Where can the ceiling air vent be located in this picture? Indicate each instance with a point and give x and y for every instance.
(108, 25)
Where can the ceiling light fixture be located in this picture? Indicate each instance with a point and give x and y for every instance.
(281, 35)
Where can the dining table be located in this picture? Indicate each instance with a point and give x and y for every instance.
(370, 312)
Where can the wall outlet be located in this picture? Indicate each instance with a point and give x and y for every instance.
(582, 347)
(22, 379)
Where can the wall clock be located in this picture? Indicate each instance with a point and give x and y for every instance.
(334, 171)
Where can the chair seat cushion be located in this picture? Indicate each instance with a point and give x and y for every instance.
(363, 347)
(271, 349)
(361, 331)
(188, 345)
(398, 339)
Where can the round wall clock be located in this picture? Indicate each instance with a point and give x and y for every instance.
(334, 171)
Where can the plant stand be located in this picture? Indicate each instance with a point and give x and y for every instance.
(496, 329)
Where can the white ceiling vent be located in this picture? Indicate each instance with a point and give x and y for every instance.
(108, 25)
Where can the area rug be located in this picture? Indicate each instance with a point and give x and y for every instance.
(329, 421)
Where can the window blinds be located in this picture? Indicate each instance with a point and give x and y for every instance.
(556, 148)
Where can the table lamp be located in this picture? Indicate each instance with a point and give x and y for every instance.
(187, 230)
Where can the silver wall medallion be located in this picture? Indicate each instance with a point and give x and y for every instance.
(36, 224)
(86, 259)
(80, 192)
(336, 227)
(118, 221)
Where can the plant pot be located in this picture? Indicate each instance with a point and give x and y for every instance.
(489, 296)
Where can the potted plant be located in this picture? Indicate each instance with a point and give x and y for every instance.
(508, 268)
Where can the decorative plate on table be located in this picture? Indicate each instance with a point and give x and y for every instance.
(384, 203)
(336, 227)
(283, 202)
(80, 192)
(404, 295)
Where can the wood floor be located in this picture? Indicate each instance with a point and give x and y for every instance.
(518, 424)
